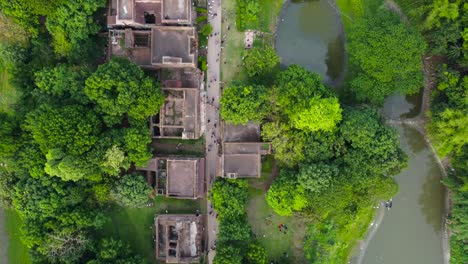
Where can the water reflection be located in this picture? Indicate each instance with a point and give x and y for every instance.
(310, 34)
(335, 58)
(413, 141)
(431, 198)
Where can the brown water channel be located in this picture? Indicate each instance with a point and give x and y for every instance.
(310, 34)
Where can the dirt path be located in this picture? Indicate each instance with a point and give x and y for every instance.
(391, 5)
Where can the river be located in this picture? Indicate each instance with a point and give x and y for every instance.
(310, 34)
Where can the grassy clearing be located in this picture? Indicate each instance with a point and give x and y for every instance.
(134, 225)
(170, 147)
(17, 251)
(8, 94)
(283, 247)
(231, 54)
(267, 17)
(265, 221)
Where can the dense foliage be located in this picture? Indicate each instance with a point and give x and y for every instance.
(342, 175)
(74, 132)
(241, 104)
(247, 13)
(236, 243)
(259, 61)
(386, 55)
(131, 191)
(444, 26)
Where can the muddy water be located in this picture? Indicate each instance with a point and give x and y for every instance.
(310, 34)
(411, 232)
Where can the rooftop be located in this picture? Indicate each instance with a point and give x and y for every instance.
(176, 11)
(178, 238)
(243, 159)
(173, 47)
(160, 47)
(180, 115)
(176, 177)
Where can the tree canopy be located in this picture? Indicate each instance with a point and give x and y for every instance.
(241, 104)
(260, 61)
(386, 55)
(131, 191)
(120, 87)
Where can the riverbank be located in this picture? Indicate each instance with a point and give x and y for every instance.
(351, 13)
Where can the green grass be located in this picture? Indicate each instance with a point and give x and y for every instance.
(267, 17)
(265, 221)
(8, 94)
(134, 225)
(168, 146)
(233, 46)
(17, 251)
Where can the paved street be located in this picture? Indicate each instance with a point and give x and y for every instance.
(212, 133)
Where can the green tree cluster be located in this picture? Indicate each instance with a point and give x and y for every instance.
(386, 56)
(260, 61)
(298, 104)
(62, 151)
(247, 12)
(131, 191)
(236, 243)
(341, 176)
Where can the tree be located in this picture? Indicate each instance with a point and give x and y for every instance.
(309, 105)
(260, 61)
(228, 254)
(68, 33)
(63, 82)
(206, 30)
(321, 115)
(241, 104)
(387, 55)
(229, 198)
(317, 177)
(449, 130)
(288, 143)
(65, 246)
(131, 191)
(114, 160)
(286, 195)
(256, 254)
(73, 128)
(374, 147)
(111, 251)
(120, 87)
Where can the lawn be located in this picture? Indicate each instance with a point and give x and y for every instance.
(268, 15)
(282, 247)
(17, 251)
(134, 225)
(169, 146)
(8, 95)
(265, 221)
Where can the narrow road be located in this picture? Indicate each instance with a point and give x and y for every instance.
(212, 133)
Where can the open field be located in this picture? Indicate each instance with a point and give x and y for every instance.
(17, 251)
(134, 225)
